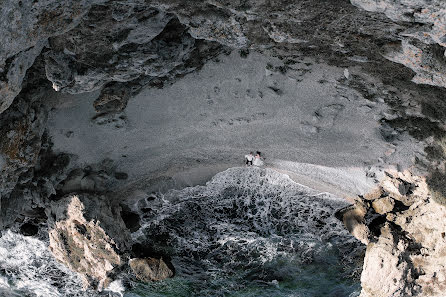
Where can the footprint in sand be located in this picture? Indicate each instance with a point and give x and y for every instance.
(323, 118)
(114, 120)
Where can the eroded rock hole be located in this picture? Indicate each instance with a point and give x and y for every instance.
(29, 229)
(80, 228)
(131, 219)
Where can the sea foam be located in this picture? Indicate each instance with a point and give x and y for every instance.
(248, 232)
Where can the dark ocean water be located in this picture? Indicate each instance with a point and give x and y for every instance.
(248, 232)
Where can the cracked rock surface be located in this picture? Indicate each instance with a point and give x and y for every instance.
(404, 236)
(88, 235)
(141, 95)
(422, 47)
(92, 43)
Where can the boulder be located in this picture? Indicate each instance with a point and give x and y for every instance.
(374, 194)
(384, 274)
(25, 29)
(353, 219)
(88, 235)
(406, 254)
(419, 46)
(150, 269)
(114, 97)
(383, 205)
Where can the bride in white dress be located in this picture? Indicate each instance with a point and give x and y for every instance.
(257, 160)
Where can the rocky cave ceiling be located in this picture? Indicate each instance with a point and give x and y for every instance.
(120, 47)
(117, 48)
(89, 45)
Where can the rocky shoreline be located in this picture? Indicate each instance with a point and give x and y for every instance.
(402, 226)
(103, 103)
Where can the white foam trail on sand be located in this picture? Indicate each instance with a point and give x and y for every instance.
(242, 222)
(247, 220)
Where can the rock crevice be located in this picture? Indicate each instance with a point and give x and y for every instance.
(88, 235)
(403, 228)
(118, 48)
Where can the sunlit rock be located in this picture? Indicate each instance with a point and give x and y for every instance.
(407, 242)
(88, 236)
(150, 269)
(423, 48)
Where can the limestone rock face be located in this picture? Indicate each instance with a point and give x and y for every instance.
(150, 269)
(406, 245)
(11, 86)
(117, 42)
(88, 235)
(422, 48)
(384, 272)
(91, 43)
(107, 41)
(22, 140)
(353, 219)
(26, 26)
(383, 205)
(428, 12)
(119, 47)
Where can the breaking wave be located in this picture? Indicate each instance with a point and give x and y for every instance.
(251, 232)
(248, 232)
(27, 268)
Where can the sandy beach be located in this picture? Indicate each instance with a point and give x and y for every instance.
(183, 134)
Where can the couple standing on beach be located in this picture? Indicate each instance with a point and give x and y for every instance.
(256, 160)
